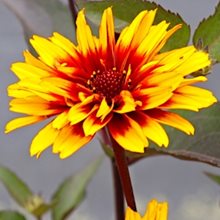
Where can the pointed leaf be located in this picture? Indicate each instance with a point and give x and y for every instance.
(208, 32)
(22, 194)
(60, 16)
(19, 191)
(42, 17)
(11, 215)
(72, 191)
(214, 177)
(31, 16)
(204, 146)
(124, 12)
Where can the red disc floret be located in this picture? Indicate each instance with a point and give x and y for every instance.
(107, 83)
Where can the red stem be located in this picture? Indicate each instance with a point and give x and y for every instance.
(123, 171)
(119, 196)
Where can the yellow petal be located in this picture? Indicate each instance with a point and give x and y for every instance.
(70, 139)
(106, 32)
(61, 120)
(81, 110)
(64, 43)
(143, 72)
(104, 109)
(33, 106)
(137, 30)
(178, 101)
(204, 97)
(197, 61)
(172, 119)
(143, 26)
(132, 215)
(151, 128)
(127, 133)
(31, 87)
(44, 139)
(191, 98)
(84, 35)
(194, 80)
(154, 37)
(74, 73)
(124, 102)
(58, 86)
(92, 124)
(48, 87)
(163, 41)
(152, 97)
(22, 121)
(49, 52)
(168, 79)
(64, 133)
(157, 211)
(133, 36)
(184, 60)
(30, 59)
(154, 211)
(25, 70)
(170, 60)
(16, 91)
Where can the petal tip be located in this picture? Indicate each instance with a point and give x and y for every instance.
(32, 152)
(166, 144)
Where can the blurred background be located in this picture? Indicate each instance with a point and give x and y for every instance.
(191, 195)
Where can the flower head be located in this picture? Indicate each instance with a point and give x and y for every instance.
(126, 85)
(154, 211)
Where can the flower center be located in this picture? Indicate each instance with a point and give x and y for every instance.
(107, 83)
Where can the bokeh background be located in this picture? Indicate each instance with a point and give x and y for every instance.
(191, 195)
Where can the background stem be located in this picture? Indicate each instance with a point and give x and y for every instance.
(73, 11)
(119, 196)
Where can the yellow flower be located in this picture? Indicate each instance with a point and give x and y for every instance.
(154, 211)
(125, 85)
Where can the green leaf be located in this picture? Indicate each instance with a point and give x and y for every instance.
(214, 177)
(72, 191)
(31, 17)
(208, 32)
(19, 191)
(11, 215)
(42, 17)
(124, 12)
(60, 17)
(22, 194)
(204, 146)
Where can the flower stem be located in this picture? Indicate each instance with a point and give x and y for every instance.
(119, 196)
(73, 11)
(123, 171)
